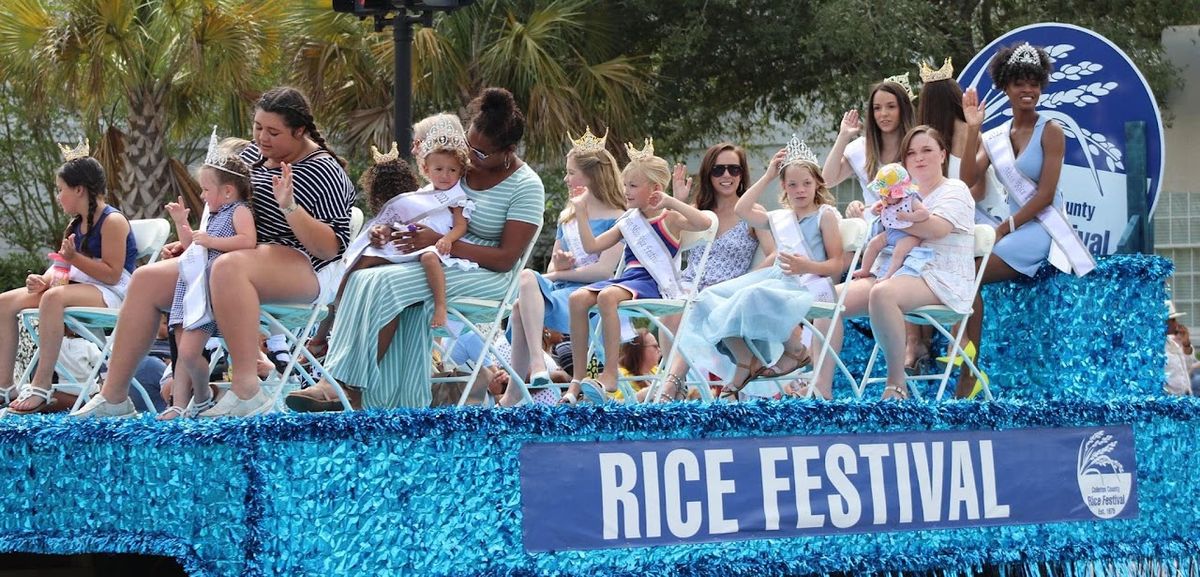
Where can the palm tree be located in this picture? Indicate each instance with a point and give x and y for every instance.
(139, 72)
(560, 59)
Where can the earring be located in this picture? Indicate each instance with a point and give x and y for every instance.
(507, 161)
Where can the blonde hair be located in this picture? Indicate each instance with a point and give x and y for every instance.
(652, 168)
(421, 129)
(823, 195)
(604, 180)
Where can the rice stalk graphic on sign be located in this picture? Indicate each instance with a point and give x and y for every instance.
(1089, 91)
(1103, 482)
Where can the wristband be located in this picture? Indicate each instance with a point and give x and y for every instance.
(1012, 224)
(289, 209)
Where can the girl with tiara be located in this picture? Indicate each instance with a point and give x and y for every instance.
(227, 226)
(764, 308)
(442, 205)
(592, 173)
(650, 229)
(1027, 154)
(891, 116)
(99, 247)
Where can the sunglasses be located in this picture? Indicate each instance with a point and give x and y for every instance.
(732, 169)
(478, 153)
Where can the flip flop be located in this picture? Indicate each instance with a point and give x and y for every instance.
(593, 391)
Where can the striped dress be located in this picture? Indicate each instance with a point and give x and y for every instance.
(375, 296)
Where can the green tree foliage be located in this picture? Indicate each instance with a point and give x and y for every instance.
(725, 62)
(564, 61)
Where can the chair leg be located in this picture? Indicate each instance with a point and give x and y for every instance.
(866, 379)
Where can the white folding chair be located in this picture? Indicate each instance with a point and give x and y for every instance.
(296, 323)
(853, 232)
(96, 324)
(655, 309)
(474, 313)
(940, 317)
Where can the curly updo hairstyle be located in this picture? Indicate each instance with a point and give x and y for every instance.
(494, 114)
(1004, 74)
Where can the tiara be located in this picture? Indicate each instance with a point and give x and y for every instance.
(928, 74)
(1025, 54)
(443, 135)
(381, 158)
(588, 143)
(902, 80)
(214, 157)
(81, 151)
(797, 151)
(647, 151)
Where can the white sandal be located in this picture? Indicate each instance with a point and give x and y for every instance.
(9, 394)
(180, 413)
(194, 409)
(29, 392)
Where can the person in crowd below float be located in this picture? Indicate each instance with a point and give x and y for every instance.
(380, 346)
(226, 191)
(724, 176)
(542, 300)
(1027, 154)
(890, 118)
(650, 229)
(940, 271)
(101, 252)
(1181, 358)
(639, 358)
(764, 309)
(302, 198)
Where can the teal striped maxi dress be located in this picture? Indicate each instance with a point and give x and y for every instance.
(375, 296)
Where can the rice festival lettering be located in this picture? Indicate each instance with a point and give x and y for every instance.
(624, 494)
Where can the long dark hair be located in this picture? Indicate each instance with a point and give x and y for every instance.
(873, 134)
(291, 105)
(940, 108)
(706, 196)
(88, 173)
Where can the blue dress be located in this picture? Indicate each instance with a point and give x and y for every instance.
(1027, 248)
(556, 293)
(731, 256)
(635, 278)
(763, 307)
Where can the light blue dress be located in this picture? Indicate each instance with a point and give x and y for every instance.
(1027, 248)
(763, 307)
(556, 293)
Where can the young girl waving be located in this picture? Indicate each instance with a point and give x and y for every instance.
(650, 229)
(229, 225)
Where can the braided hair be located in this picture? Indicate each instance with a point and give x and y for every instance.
(293, 107)
(88, 173)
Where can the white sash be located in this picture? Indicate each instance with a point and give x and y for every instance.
(570, 234)
(1067, 251)
(406, 208)
(651, 252)
(193, 272)
(788, 239)
(856, 157)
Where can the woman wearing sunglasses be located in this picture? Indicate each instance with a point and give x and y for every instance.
(723, 177)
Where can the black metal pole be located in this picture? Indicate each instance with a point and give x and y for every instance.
(402, 36)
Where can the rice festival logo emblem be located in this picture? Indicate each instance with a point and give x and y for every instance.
(1103, 482)
(1094, 90)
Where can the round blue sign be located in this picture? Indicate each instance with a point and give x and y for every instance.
(1094, 90)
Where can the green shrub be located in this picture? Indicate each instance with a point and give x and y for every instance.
(15, 267)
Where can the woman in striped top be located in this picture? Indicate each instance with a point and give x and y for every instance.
(391, 305)
(302, 199)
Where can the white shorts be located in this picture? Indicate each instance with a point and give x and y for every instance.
(328, 279)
